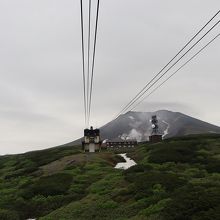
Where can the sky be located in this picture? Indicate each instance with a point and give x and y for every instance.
(41, 92)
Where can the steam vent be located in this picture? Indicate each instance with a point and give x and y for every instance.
(155, 136)
(92, 140)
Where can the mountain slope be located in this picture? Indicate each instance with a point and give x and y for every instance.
(137, 125)
(178, 178)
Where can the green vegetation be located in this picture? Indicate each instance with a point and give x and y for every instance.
(177, 179)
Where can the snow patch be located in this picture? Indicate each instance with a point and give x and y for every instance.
(125, 165)
(131, 117)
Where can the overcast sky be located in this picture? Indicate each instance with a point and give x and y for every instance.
(41, 95)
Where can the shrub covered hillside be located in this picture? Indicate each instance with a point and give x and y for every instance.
(177, 179)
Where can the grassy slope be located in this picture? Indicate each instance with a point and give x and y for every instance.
(177, 179)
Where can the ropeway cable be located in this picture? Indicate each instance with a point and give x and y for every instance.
(93, 61)
(136, 97)
(143, 91)
(83, 61)
(176, 71)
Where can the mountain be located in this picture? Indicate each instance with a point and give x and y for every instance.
(137, 125)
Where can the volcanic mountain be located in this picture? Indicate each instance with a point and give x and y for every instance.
(137, 125)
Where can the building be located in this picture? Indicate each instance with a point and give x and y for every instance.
(155, 138)
(92, 141)
(111, 145)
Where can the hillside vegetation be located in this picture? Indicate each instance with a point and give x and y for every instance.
(178, 179)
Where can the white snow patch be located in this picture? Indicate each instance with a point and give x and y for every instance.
(131, 117)
(125, 165)
(166, 131)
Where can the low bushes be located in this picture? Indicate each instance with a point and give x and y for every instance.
(56, 184)
(8, 215)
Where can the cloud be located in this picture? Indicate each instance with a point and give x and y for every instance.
(41, 66)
